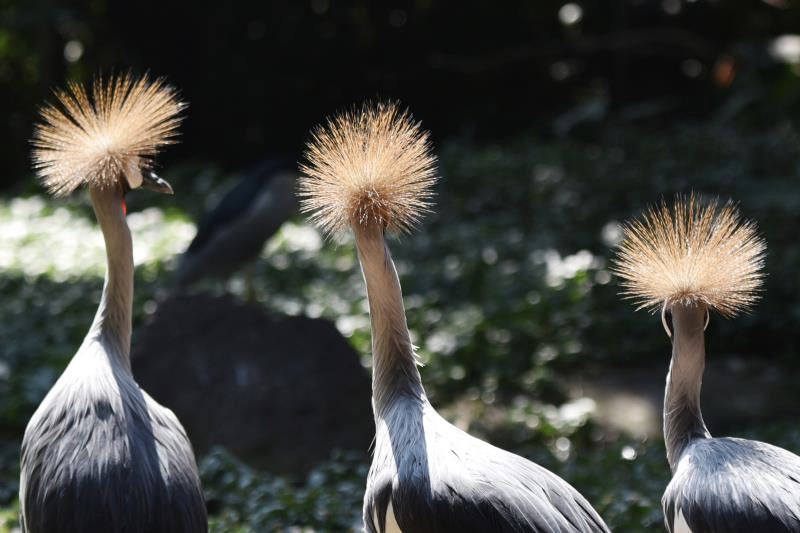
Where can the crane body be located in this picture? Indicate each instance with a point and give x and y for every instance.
(371, 172)
(687, 261)
(718, 484)
(99, 454)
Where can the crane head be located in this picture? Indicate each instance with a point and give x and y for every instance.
(107, 139)
(369, 167)
(692, 254)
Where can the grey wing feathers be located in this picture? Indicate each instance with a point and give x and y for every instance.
(541, 501)
(521, 497)
(735, 485)
(77, 475)
(185, 493)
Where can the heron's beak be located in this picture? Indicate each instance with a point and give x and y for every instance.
(151, 181)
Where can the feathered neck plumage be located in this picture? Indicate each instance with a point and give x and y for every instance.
(112, 322)
(683, 421)
(394, 372)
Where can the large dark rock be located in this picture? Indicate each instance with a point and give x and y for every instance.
(279, 391)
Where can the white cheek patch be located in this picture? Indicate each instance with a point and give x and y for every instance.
(133, 174)
(680, 523)
(134, 179)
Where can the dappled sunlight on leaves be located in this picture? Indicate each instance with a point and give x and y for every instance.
(39, 239)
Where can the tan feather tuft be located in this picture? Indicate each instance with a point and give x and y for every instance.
(691, 254)
(96, 140)
(368, 166)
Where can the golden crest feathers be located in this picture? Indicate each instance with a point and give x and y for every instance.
(97, 140)
(368, 166)
(691, 254)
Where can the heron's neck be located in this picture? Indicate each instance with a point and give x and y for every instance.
(112, 323)
(394, 373)
(683, 421)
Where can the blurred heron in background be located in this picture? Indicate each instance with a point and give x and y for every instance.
(99, 454)
(372, 171)
(232, 235)
(685, 262)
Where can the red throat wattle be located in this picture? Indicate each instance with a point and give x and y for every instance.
(124, 207)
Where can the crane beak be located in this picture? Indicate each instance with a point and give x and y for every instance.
(152, 182)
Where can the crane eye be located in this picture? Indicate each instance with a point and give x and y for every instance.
(666, 320)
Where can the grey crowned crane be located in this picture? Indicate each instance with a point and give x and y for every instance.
(685, 262)
(233, 234)
(372, 171)
(99, 454)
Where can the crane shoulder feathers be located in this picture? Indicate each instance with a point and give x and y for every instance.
(734, 485)
(464, 484)
(100, 454)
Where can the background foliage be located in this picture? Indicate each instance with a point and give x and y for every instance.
(550, 133)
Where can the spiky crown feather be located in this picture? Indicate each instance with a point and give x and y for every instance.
(96, 140)
(691, 254)
(368, 166)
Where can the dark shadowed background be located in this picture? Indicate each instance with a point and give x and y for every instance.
(257, 77)
(554, 121)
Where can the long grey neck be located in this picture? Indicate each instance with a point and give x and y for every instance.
(394, 372)
(112, 323)
(683, 421)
